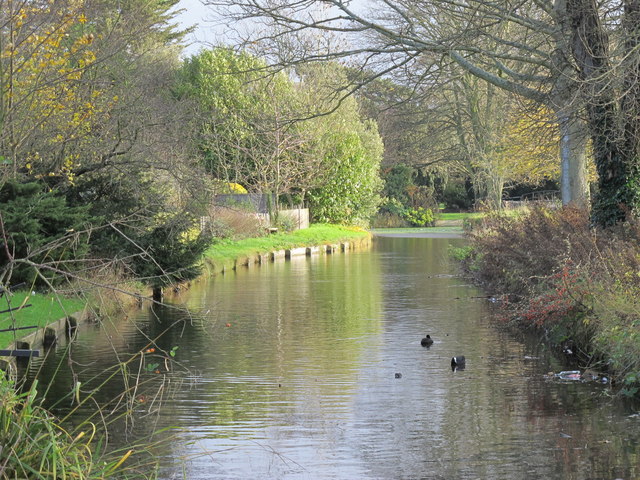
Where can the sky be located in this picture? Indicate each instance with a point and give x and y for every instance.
(209, 32)
(195, 13)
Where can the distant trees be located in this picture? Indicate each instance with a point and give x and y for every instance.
(465, 130)
(499, 142)
(521, 49)
(272, 134)
(246, 128)
(349, 189)
(577, 58)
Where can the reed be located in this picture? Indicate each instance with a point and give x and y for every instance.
(36, 446)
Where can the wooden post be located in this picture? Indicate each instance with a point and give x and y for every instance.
(71, 327)
(157, 294)
(50, 337)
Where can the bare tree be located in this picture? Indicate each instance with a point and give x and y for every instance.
(521, 47)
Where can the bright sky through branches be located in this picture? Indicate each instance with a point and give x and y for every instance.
(210, 28)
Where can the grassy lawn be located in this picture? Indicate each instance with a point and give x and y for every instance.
(445, 223)
(459, 216)
(44, 309)
(317, 234)
(443, 229)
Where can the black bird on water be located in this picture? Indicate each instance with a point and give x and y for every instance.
(426, 341)
(458, 363)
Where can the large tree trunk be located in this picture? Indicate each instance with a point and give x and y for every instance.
(613, 121)
(574, 187)
(630, 102)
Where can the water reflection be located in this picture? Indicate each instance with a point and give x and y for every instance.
(288, 371)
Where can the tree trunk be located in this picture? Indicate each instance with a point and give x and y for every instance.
(615, 148)
(574, 187)
(495, 191)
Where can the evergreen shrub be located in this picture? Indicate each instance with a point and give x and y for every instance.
(39, 227)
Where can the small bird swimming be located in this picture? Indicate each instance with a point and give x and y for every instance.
(458, 362)
(426, 341)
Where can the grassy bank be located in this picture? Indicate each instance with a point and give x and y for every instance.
(226, 252)
(449, 230)
(44, 309)
(458, 216)
(447, 223)
(577, 286)
(47, 308)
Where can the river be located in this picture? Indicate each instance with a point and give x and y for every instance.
(313, 369)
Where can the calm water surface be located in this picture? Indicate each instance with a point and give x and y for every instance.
(288, 371)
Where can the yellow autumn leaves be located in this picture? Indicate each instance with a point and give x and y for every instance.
(44, 100)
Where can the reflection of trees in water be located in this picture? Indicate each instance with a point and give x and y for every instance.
(303, 358)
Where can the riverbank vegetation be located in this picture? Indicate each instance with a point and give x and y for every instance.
(35, 445)
(115, 149)
(226, 251)
(576, 285)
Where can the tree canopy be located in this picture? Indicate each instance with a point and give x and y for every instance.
(576, 58)
(271, 133)
(85, 115)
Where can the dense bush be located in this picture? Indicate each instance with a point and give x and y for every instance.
(455, 196)
(419, 217)
(392, 213)
(350, 195)
(142, 229)
(577, 284)
(170, 251)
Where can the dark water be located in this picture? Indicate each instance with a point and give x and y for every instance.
(288, 371)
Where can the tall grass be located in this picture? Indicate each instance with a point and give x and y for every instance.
(35, 446)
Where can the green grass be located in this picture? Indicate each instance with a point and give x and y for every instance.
(316, 234)
(443, 229)
(455, 216)
(44, 309)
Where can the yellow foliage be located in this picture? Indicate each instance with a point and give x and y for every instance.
(529, 147)
(236, 188)
(49, 65)
(190, 235)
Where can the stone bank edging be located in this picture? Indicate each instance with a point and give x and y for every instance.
(258, 258)
(47, 336)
